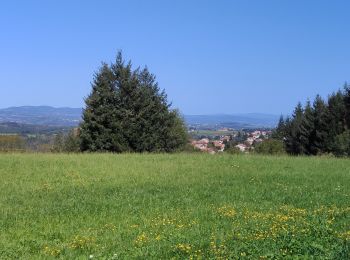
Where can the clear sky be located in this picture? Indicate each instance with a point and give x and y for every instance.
(222, 56)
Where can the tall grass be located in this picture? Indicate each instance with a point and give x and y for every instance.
(106, 206)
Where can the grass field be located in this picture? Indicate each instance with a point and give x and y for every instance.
(105, 206)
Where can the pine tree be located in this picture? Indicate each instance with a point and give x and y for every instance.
(127, 101)
(320, 134)
(280, 131)
(101, 129)
(324, 126)
(341, 146)
(139, 116)
(307, 128)
(153, 115)
(293, 142)
(175, 133)
(336, 120)
(347, 104)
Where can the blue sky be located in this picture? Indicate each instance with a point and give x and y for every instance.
(211, 57)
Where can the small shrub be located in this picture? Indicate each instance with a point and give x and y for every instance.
(233, 150)
(271, 146)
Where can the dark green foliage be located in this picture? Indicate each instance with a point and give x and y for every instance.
(175, 134)
(318, 129)
(126, 111)
(230, 144)
(319, 134)
(307, 128)
(101, 129)
(342, 144)
(233, 150)
(347, 104)
(336, 120)
(280, 132)
(293, 134)
(271, 146)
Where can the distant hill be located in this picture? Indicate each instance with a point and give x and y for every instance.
(24, 129)
(69, 117)
(42, 115)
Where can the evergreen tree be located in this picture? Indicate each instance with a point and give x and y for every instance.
(341, 145)
(293, 134)
(320, 134)
(101, 130)
(127, 101)
(336, 120)
(307, 128)
(320, 128)
(175, 134)
(139, 116)
(347, 104)
(161, 128)
(280, 131)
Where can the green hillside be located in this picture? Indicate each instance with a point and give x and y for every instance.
(198, 206)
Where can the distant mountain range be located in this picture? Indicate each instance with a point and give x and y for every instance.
(70, 117)
(42, 115)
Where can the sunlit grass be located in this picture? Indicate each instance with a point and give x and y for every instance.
(193, 206)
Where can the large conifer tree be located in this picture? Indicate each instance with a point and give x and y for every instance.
(347, 104)
(320, 134)
(293, 133)
(336, 118)
(280, 131)
(307, 128)
(101, 129)
(140, 117)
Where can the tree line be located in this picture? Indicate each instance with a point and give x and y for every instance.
(321, 127)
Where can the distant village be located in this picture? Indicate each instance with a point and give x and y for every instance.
(219, 140)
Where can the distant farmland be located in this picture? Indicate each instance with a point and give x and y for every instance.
(212, 132)
(197, 206)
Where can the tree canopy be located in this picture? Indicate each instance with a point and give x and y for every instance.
(127, 112)
(320, 128)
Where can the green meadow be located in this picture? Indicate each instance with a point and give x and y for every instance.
(179, 206)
